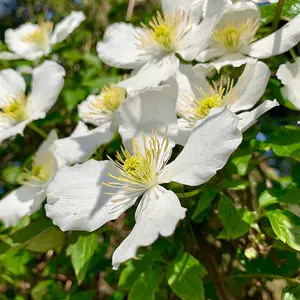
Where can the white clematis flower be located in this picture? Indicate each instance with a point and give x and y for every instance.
(196, 97)
(184, 29)
(31, 41)
(28, 198)
(289, 75)
(100, 111)
(16, 109)
(233, 41)
(86, 196)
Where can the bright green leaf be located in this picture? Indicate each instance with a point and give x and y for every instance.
(286, 226)
(81, 252)
(184, 277)
(145, 286)
(291, 292)
(204, 201)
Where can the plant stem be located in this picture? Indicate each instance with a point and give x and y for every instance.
(189, 194)
(41, 132)
(278, 14)
(295, 280)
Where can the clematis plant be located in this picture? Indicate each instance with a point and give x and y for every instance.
(234, 39)
(196, 96)
(86, 196)
(183, 29)
(289, 75)
(18, 109)
(28, 198)
(32, 41)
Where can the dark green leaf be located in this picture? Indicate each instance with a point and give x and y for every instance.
(204, 201)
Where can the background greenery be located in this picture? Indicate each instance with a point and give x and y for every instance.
(239, 241)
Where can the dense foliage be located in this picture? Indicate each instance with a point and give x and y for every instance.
(241, 235)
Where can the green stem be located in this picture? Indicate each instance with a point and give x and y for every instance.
(295, 280)
(189, 194)
(278, 14)
(293, 54)
(41, 132)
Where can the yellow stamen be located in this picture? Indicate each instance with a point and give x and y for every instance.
(198, 108)
(40, 36)
(40, 173)
(164, 30)
(140, 170)
(236, 34)
(15, 108)
(109, 100)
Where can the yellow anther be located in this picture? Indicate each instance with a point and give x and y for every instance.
(164, 30)
(15, 108)
(109, 100)
(236, 34)
(205, 105)
(133, 164)
(40, 36)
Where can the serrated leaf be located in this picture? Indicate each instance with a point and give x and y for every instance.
(236, 222)
(81, 252)
(145, 286)
(286, 226)
(291, 292)
(184, 277)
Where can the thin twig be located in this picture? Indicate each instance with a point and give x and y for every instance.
(130, 10)
(41, 132)
(278, 14)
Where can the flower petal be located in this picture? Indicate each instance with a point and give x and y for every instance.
(289, 75)
(151, 110)
(189, 81)
(27, 50)
(233, 59)
(276, 43)
(66, 26)
(184, 132)
(9, 55)
(210, 53)
(158, 213)
(80, 146)
(77, 199)
(47, 82)
(247, 119)
(163, 68)
(129, 55)
(209, 147)
(250, 87)
(12, 85)
(18, 204)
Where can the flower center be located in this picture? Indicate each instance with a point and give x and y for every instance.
(38, 173)
(109, 100)
(236, 34)
(205, 105)
(40, 36)
(15, 109)
(164, 31)
(196, 108)
(139, 169)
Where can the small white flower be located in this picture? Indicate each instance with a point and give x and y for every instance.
(16, 109)
(31, 41)
(196, 97)
(86, 196)
(289, 75)
(28, 198)
(234, 39)
(184, 29)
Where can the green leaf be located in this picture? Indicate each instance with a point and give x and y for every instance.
(100, 82)
(236, 222)
(289, 195)
(47, 290)
(204, 201)
(184, 277)
(286, 226)
(81, 252)
(241, 161)
(236, 184)
(291, 292)
(291, 9)
(85, 295)
(145, 286)
(286, 142)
